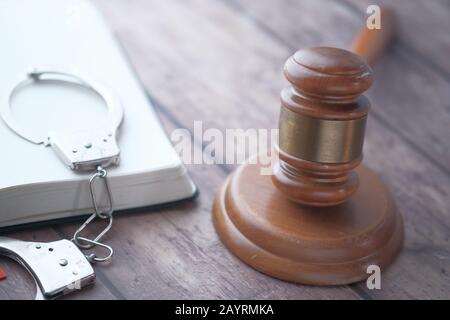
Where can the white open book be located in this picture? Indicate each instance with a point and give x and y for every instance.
(35, 185)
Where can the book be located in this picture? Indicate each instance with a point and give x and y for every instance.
(35, 185)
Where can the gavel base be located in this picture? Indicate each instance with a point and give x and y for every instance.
(315, 246)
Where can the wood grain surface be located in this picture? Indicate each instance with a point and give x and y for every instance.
(221, 61)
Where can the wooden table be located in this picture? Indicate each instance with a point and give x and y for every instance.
(221, 61)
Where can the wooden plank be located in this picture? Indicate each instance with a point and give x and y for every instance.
(421, 28)
(212, 39)
(19, 284)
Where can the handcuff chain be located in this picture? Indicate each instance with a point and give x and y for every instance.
(98, 213)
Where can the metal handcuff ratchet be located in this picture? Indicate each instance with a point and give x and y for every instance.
(57, 267)
(60, 267)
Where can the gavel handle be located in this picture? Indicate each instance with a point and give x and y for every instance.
(370, 44)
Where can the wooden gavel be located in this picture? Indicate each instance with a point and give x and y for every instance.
(321, 218)
(323, 118)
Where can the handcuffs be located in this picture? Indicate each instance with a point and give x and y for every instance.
(60, 267)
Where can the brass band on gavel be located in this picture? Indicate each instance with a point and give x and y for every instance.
(321, 140)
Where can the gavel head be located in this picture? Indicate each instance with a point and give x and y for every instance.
(321, 127)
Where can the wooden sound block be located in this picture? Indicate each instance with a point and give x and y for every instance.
(310, 245)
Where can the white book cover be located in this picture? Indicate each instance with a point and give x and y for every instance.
(35, 185)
